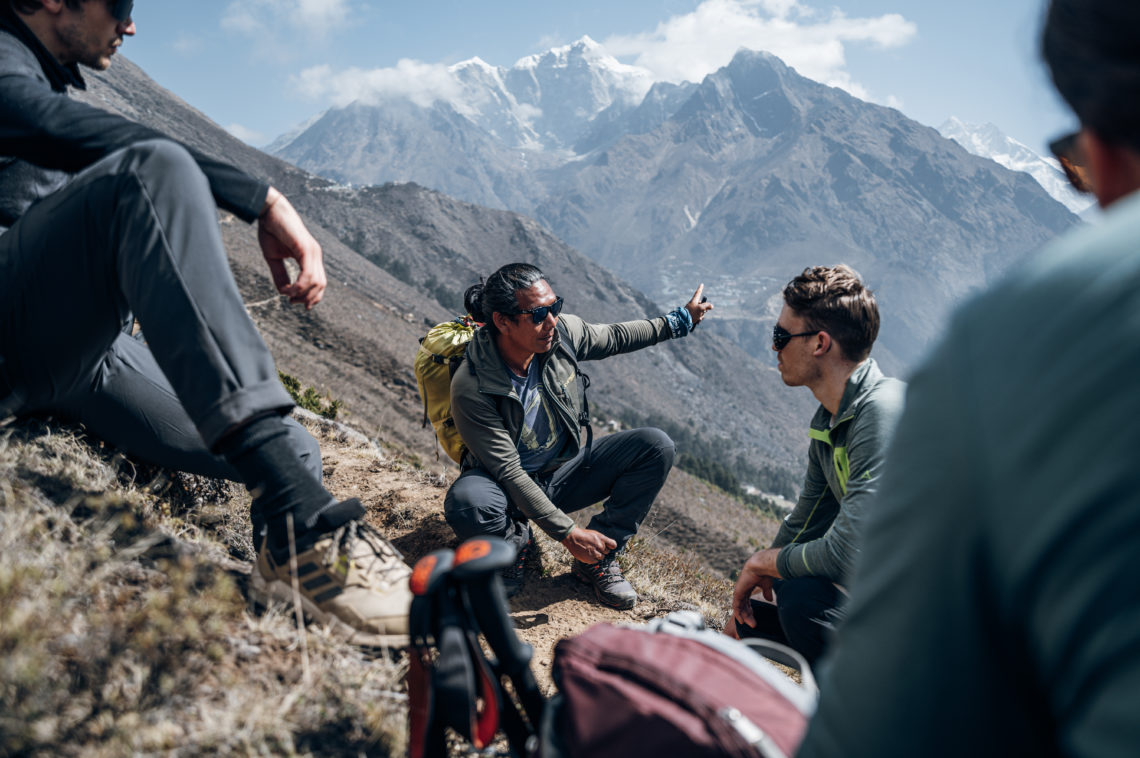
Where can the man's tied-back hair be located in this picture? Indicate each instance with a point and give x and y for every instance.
(834, 300)
(31, 6)
(496, 293)
(1091, 49)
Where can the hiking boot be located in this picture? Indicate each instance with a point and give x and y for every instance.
(514, 575)
(352, 580)
(609, 584)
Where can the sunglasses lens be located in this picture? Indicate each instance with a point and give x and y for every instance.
(539, 314)
(1068, 154)
(121, 9)
(780, 338)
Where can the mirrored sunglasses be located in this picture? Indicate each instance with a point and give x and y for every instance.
(781, 337)
(538, 315)
(1068, 153)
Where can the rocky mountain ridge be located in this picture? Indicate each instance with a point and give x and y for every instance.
(739, 181)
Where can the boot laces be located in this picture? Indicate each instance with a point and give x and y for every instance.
(379, 558)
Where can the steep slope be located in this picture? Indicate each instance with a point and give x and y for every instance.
(408, 249)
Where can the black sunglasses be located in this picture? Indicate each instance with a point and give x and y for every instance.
(121, 9)
(1068, 153)
(538, 315)
(781, 337)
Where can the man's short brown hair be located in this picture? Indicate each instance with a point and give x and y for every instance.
(834, 300)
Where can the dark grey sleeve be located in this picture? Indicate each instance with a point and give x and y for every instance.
(913, 641)
(54, 131)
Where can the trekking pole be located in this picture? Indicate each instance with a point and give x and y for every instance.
(476, 571)
(428, 583)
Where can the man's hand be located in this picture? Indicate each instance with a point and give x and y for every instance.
(758, 573)
(587, 545)
(698, 306)
(282, 234)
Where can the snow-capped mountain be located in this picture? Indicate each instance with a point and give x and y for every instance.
(734, 181)
(988, 141)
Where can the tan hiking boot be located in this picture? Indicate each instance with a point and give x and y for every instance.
(352, 580)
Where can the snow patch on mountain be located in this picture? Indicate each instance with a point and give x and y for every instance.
(987, 141)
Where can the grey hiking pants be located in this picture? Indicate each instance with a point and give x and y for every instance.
(628, 467)
(135, 234)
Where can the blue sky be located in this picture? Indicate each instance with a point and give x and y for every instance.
(258, 67)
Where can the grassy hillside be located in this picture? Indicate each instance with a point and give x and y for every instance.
(125, 629)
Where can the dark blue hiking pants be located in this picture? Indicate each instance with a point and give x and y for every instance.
(629, 468)
(135, 235)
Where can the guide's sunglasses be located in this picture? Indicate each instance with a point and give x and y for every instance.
(1068, 153)
(538, 315)
(781, 337)
(121, 9)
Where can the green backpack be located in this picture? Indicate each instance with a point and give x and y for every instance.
(441, 351)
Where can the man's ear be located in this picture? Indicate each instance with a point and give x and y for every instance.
(500, 320)
(1114, 168)
(823, 344)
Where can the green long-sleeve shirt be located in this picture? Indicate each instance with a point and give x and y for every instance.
(821, 536)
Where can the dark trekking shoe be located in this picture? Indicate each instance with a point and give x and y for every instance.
(609, 584)
(514, 575)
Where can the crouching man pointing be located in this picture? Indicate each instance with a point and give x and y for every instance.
(518, 401)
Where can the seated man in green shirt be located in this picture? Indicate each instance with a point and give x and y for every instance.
(823, 338)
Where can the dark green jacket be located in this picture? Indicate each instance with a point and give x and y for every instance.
(822, 534)
(995, 610)
(489, 416)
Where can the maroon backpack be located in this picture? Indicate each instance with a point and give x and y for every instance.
(674, 688)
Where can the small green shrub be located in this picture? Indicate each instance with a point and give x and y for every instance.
(309, 398)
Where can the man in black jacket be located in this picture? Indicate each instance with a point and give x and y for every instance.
(107, 221)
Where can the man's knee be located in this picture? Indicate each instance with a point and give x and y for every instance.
(659, 447)
(161, 156)
(473, 507)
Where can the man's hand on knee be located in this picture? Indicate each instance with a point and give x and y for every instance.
(282, 235)
(587, 545)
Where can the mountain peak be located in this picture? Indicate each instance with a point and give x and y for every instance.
(584, 48)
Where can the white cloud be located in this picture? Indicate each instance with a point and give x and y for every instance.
(248, 136)
(279, 27)
(422, 83)
(187, 44)
(691, 46)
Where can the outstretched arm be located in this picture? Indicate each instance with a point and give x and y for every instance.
(282, 234)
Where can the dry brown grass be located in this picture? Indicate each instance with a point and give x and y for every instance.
(123, 630)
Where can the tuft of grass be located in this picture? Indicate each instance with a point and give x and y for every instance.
(123, 628)
(309, 398)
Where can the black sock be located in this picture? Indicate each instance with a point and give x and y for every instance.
(278, 483)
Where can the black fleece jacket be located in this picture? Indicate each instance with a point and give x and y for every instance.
(47, 137)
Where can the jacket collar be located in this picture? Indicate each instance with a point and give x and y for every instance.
(58, 75)
(865, 376)
(484, 361)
